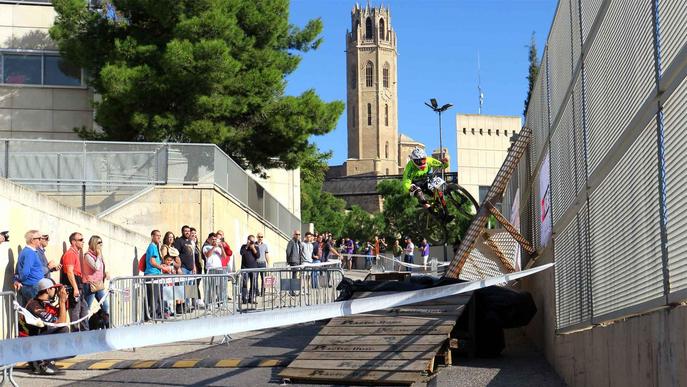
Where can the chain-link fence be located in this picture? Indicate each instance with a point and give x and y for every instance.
(608, 114)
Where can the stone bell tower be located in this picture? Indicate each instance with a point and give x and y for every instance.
(371, 63)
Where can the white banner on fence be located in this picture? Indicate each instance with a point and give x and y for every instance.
(72, 344)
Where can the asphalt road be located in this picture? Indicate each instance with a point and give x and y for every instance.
(520, 365)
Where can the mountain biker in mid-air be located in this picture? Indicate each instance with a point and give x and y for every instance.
(414, 175)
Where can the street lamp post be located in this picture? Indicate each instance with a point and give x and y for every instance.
(435, 106)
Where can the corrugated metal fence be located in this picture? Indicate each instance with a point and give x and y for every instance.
(609, 109)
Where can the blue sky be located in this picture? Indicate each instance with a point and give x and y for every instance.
(438, 42)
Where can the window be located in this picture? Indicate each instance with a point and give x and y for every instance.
(354, 77)
(505, 133)
(497, 132)
(385, 76)
(381, 29)
(386, 114)
(465, 131)
(489, 132)
(369, 71)
(369, 114)
(483, 190)
(386, 153)
(37, 69)
(368, 30)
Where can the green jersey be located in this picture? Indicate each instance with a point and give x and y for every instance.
(412, 172)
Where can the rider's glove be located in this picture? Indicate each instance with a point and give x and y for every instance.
(413, 188)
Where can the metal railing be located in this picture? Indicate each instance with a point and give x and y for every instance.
(159, 298)
(273, 288)
(100, 175)
(9, 328)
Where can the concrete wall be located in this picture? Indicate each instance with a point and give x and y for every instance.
(645, 350)
(35, 111)
(167, 208)
(23, 209)
(285, 186)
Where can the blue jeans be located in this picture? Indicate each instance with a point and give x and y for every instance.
(26, 293)
(408, 259)
(99, 295)
(314, 275)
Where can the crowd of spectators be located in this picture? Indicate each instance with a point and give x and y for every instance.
(82, 271)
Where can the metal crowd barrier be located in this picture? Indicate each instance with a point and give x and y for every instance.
(273, 288)
(9, 328)
(158, 298)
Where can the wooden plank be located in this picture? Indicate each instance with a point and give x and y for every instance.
(358, 355)
(418, 311)
(351, 376)
(373, 365)
(392, 330)
(379, 340)
(364, 320)
(372, 348)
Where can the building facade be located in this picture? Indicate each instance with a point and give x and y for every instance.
(482, 145)
(371, 63)
(41, 95)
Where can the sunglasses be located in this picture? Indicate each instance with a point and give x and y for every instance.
(45, 238)
(100, 242)
(259, 236)
(79, 240)
(36, 239)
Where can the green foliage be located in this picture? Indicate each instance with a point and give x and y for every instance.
(208, 71)
(361, 225)
(323, 209)
(533, 71)
(401, 214)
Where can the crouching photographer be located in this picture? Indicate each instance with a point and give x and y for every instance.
(4, 236)
(43, 309)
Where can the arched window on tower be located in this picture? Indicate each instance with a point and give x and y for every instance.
(381, 29)
(368, 28)
(369, 114)
(385, 75)
(386, 114)
(354, 77)
(386, 151)
(369, 74)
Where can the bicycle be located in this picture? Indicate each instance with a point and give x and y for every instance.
(437, 217)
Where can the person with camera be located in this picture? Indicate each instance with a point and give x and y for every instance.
(4, 236)
(249, 260)
(72, 276)
(29, 269)
(42, 307)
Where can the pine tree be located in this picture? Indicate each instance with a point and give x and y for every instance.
(207, 71)
(533, 71)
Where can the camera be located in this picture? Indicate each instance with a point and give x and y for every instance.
(6, 235)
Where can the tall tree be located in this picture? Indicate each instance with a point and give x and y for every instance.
(209, 71)
(533, 71)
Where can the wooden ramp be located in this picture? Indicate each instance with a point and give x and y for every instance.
(392, 346)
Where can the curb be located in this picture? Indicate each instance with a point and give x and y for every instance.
(119, 364)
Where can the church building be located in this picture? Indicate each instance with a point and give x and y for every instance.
(375, 149)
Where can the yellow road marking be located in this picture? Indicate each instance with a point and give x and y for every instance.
(269, 363)
(144, 364)
(66, 363)
(230, 363)
(103, 365)
(189, 363)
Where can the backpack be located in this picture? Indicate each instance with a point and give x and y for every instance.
(142, 263)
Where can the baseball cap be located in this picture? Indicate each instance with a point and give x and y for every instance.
(45, 284)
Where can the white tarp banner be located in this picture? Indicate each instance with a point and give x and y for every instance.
(72, 344)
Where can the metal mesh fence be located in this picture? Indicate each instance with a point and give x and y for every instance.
(611, 185)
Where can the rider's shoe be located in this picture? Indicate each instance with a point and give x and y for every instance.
(427, 206)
